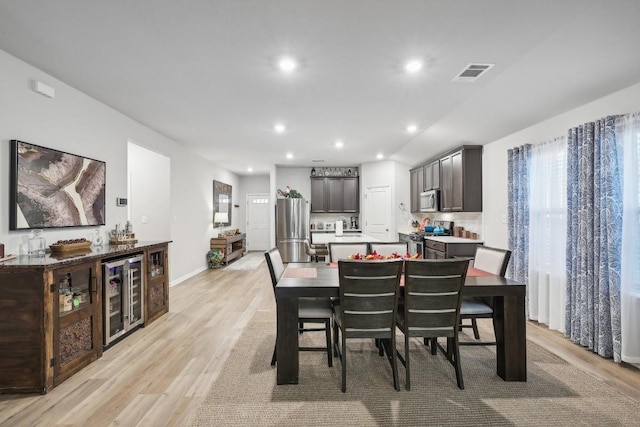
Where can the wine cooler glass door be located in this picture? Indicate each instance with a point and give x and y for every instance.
(114, 294)
(136, 294)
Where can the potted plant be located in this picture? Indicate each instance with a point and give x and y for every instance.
(214, 258)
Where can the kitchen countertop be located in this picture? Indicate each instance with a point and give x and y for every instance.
(52, 260)
(452, 239)
(323, 238)
(346, 230)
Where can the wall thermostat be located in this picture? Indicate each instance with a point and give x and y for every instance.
(120, 201)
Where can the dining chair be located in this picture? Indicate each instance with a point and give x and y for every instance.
(431, 308)
(310, 310)
(389, 248)
(368, 307)
(342, 250)
(315, 250)
(491, 260)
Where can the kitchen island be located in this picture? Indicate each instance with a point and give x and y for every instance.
(320, 238)
(442, 247)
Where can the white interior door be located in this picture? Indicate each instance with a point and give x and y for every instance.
(258, 222)
(377, 213)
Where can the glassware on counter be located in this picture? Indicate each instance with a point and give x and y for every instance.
(37, 244)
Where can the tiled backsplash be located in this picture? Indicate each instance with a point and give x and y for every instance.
(471, 221)
(322, 218)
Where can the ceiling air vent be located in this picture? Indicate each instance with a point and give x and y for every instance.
(471, 73)
(317, 161)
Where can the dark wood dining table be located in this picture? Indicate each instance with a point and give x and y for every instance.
(322, 280)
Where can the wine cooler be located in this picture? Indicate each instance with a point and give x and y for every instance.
(123, 296)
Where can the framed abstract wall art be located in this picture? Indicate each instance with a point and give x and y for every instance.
(52, 189)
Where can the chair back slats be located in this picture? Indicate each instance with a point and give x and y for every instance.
(342, 250)
(275, 264)
(432, 293)
(492, 260)
(369, 297)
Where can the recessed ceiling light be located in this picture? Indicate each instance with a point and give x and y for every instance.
(289, 156)
(279, 127)
(412, 128)
(380, 156)
(249, 169)
(287, 64)
(413, 66)
(339, 144)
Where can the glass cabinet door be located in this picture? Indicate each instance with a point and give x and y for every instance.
(114, 303)
(77, 338)
(123, 296)
(156, 264)
(157, 289)
(74, 290)
(136, 294)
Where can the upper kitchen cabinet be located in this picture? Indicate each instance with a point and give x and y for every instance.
(432, 175)
(334, 195)
(318, 203)
(461, 180)
(417, 186)
(350, 200)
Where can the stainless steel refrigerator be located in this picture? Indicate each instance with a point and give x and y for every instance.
(292, 228)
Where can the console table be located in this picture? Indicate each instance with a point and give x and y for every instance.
(231, 246)
(44, 341)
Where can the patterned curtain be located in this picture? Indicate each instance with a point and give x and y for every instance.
(519, 162)
(594, 236)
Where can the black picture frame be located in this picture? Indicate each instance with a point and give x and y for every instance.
(222, 202)
(55, 189)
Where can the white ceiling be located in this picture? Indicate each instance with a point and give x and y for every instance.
(204, 72)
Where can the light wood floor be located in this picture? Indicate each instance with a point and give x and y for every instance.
(159, 375)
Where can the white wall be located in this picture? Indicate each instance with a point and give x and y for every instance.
(494, 162)
(78, 124)
(402, 215)
(296, 178)
(149, 205)
(248, 184)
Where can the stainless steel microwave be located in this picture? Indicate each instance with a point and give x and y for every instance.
(429, 201)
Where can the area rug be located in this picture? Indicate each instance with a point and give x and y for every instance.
(250, 261)
(556, 393)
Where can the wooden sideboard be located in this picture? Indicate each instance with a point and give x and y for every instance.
(232, 246)
(44, 341)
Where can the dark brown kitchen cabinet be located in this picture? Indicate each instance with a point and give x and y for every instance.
(351, 201)
(432, 175)
(335, 195)
(52, 307)
(440, 250)
(50, 325)
(157, 293)
(318, 203)
(77, 331)
(461, 180)
(417, 186)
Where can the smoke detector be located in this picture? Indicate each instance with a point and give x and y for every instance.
(471, 72)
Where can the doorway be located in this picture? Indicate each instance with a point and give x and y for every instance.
(377, 213)
(258, 221)
(149, 205)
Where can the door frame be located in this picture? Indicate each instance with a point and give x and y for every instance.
(392, 225)
(246, 217)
